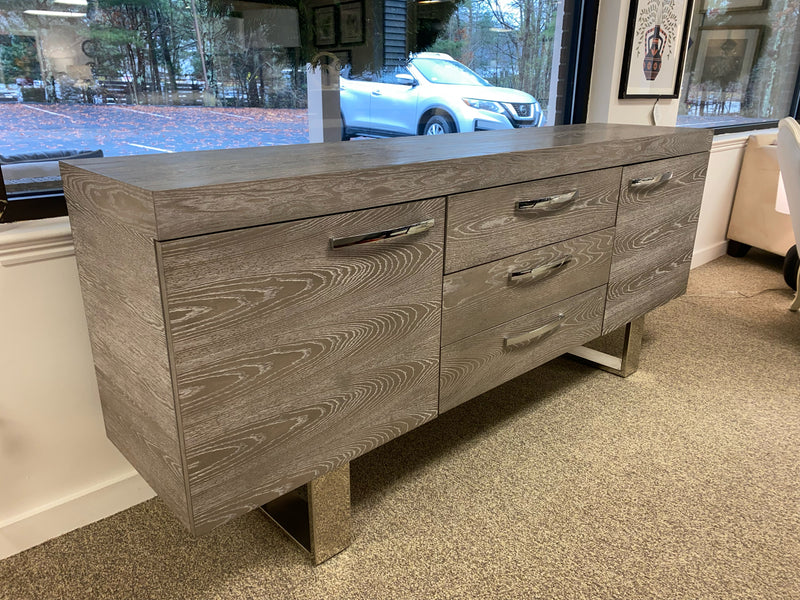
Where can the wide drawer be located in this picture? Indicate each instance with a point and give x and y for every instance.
(659, 208)
(523, 283)
(482, 361)
(490, 224)
(291, 356)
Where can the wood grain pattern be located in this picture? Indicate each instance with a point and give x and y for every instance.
(483, 226)
(292, 358)
(204, 192)
(121, 295)
(480, 362)
(656, 228)
(468, 293)
(280, 360)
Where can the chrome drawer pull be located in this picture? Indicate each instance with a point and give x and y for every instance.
(535, 335)
(541, 272)
(382, 235)
(551, 201)
(655, 180)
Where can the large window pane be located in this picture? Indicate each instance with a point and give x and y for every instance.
(742, 64)
(140, 76)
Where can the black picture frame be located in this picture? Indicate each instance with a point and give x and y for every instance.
(325, 26)
(345, 57)
(644, 59)
(721, 71)
(734, 5)
(351, 23)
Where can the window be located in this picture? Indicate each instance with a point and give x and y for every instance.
(155, 76)
(742, 63)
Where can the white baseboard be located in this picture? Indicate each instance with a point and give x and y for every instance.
(701, 257)
(59, 517)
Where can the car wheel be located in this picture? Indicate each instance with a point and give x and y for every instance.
(345, 137)
(437, 125)
(790, 265)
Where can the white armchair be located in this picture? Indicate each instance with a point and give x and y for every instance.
(789, 161)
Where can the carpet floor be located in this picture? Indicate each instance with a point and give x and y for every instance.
(680, 482)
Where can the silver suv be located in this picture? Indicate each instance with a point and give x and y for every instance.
(431, 94)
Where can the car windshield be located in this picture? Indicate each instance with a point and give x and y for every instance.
(450, 72)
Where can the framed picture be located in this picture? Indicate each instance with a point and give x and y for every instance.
(351, 23)
(732, 5)
(725, 57)
(343, 57)
(325, 26)
(655, 48)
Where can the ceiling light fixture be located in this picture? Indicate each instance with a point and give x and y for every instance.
(55, 13)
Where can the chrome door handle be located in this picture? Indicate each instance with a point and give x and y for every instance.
(540, 272)
(552, 201)
(376, 92)
(655, 180)
(534, 336)
(366, 238)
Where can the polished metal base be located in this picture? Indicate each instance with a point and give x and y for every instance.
(317, 515)
(628, 342)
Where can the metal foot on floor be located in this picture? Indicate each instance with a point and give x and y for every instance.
(317, 515)
(631, 345)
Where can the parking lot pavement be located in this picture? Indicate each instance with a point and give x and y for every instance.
(121, 129)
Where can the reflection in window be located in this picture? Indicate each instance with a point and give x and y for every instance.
(129, 77)
(742, 63)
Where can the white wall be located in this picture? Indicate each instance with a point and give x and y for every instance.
(57, 469)
(604, 104)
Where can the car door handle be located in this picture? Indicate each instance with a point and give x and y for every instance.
(376, 93)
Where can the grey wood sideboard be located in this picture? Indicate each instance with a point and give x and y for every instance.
(260, 317)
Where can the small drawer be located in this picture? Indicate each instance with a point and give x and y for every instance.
(659, 208)
(483, 361)
(523, 283)
(490, 224)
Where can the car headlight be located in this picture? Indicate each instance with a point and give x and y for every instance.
(484, 105)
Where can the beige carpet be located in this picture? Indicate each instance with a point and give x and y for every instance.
(680, 482)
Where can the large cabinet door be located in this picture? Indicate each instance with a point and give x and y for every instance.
(292, 356)
(659, 205)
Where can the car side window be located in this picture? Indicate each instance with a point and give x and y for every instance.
(390, 75)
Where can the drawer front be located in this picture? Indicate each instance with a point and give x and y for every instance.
(483, 361)
(523, 283)
(490, 224)
(292, 357)
(658, 212)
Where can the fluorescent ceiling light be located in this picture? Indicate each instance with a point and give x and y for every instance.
(55, 13)
(74, 2)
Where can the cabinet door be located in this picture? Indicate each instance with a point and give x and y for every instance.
(292, 356)
(659, 206)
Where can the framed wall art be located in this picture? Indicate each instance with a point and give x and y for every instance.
(655, 48)
(725, 57)
(325, 26)
(351, 23)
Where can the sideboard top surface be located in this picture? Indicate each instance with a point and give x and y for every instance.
(201, 192)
